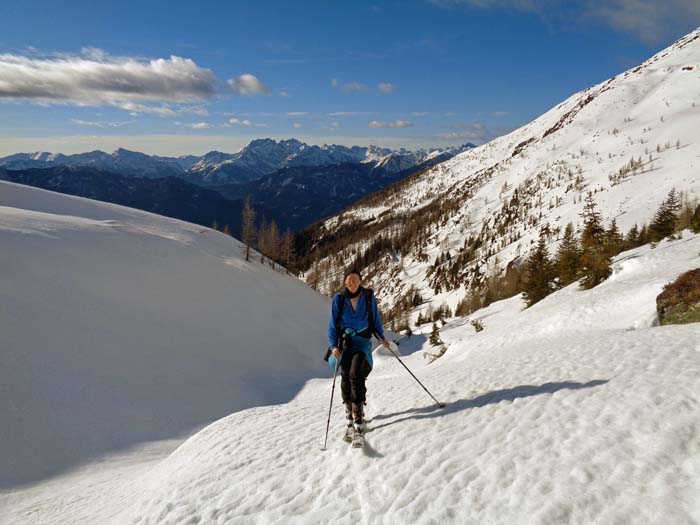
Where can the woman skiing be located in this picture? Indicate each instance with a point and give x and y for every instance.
(354, 320)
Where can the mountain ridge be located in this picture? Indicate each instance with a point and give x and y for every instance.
(628, 140)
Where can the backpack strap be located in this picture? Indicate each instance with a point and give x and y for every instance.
(339, 314)
(338, 317)
(370, 311)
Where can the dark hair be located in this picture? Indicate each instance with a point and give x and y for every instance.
(351, 271)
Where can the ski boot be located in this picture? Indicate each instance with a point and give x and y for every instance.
(358, 439)
(349, 428)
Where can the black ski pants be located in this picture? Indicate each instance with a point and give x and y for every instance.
(354, 370)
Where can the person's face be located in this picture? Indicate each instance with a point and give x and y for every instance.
(352, 282)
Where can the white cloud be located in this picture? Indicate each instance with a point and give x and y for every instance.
(334, 125)
(419, 113)
(297, 125)
(500, 114)
(195, 110)
(248, 84)
(97, 79)
(297, 113)
(348, 87)
(386, 87)
(136, 109)
(393, 124)
(648, 20)
(353, 86)
(199, 125)
(473, 132)
(238, 122)
(101, 124)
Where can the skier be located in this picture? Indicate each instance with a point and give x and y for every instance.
(355, 317)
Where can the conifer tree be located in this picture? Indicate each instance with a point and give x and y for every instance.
(435, 335)
(664, 223)
(632, 239)
(288, 248)
(568, 258)
(539, 274)
(643, 236)
(695, 220)
(262, 239)
(273, 241)
(248, 227)
(595, 259)
(613, 239)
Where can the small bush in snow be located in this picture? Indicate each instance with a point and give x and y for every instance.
(679, 302)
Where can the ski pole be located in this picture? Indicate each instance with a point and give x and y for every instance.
(328, 424)
(441, 405)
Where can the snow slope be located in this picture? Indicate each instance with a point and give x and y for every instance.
(578, 410)
(120, 327)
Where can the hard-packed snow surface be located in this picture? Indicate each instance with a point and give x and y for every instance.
(119, 327)
(577, 410)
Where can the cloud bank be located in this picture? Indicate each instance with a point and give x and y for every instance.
(95, 78)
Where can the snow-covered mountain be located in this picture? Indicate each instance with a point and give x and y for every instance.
(260, 157)
(123, 161)
(545, 421)
(120, 327)
(629, 140)
(265, 156)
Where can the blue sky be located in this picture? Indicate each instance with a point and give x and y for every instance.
(175, 78)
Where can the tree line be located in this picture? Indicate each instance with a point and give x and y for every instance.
(265, 237)
(588, 258)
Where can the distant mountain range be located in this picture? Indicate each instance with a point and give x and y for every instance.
(259, 158)
(288, 181)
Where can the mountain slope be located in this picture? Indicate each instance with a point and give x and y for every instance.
(120, 327)
(500, 196)
(545, 423)
(301, 195)
(168, 196)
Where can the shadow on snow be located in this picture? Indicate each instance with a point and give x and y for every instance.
(490, 398)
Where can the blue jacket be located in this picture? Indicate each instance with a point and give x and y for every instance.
(357, 321)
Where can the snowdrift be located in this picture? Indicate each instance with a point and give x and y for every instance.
(118, 326)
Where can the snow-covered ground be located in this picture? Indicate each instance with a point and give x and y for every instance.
(120, 327)
(577, 410)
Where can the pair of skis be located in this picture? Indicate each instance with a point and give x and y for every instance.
(358, 439)
(355, 436)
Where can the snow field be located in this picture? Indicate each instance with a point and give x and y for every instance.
(593, 417)
(119, 327)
